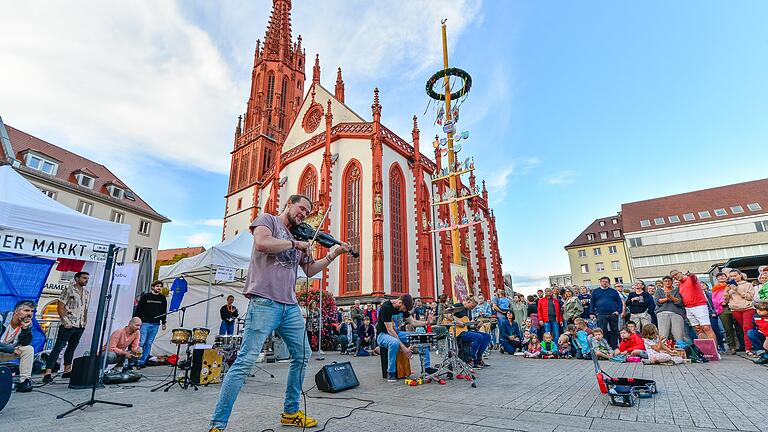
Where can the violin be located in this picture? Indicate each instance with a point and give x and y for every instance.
(305, 232)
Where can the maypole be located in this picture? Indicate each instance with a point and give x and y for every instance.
(452, 196)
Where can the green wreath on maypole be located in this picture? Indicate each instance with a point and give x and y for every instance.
(451, 72)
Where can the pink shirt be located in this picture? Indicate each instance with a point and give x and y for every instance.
(121, 340)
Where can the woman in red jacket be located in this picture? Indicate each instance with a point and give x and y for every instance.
(550, 314)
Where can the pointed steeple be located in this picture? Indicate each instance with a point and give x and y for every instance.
(485, 193)
(376, 108)
(339, 91)
(316, 70)
(415, 135)
(277, 41)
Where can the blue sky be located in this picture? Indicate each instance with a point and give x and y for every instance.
(576, 107)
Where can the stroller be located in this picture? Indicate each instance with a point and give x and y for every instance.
(623, 391)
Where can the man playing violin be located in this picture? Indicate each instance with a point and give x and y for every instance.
(478, 341)
(270, 286)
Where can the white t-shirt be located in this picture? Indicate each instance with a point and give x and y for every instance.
(649, 344)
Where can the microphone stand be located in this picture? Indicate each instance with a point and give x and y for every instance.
(186, 381)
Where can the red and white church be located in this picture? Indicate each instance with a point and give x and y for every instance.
(296, 140)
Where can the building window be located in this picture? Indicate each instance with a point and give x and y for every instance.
(350, 228)
(674, 219)
(615, 265)
(599, 267)
(619, 280)
(635, 242)
(603, 235)
(658, 221)
(239, 203)
(704, 214)
(737, 209)
(49, 193)
(645, 223)
(585, 268)
(85, 181)
(612, 249)
(614, 221)
(590, 237)
(139, 251)
(688, 217)
(761, 226)
(398, 230)
(721, 212)
(115, 192)
(117, 217)
(308, 183)
(616, 233)
(587, 282)
(582, 253)
(596, 251)
(42, 164)
(602, 223)
(85, 207)
(754, 207)
(144, 227)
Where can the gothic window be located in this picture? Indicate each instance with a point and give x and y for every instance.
(351, 221)
(283, 97)
(270, 96)
(398, 231)
(266, 161)
(308, 183)
(244, 168)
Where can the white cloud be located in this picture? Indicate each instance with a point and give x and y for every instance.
(499, 181)
(200, 239)
(561, 178)
(219, 223)
(118, 81)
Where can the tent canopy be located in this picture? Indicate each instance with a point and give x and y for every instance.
(24, 209)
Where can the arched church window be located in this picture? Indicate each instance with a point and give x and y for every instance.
(398, 231)
(308, 183)
(283, 97)
(351, 226)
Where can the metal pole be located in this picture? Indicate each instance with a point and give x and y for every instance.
(320, 331)
(208, 305)
(454, 206)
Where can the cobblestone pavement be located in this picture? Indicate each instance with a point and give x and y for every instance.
(514, 394)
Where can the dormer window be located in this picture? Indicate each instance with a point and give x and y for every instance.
(590, 237)
(84, 180)
(115, 192)
(41, 164)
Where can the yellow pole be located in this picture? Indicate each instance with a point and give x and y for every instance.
(454, 206)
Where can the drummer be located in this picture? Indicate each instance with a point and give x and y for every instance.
(228, 314)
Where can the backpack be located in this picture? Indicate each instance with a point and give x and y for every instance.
(694, 353)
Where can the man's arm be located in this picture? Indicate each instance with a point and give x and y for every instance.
(390, 326)
(113, 346)
(416, 323)
(315, 267)
(266, 243)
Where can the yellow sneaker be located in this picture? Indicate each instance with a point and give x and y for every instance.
(215, 429)
(298, 419)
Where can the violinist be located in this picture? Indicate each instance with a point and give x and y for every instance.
(270, 287)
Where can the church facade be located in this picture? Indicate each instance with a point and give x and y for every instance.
(378, 187)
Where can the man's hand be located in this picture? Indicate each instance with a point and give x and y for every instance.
(17, 351)
(338, 250)
(26, 323)
(406, 350)
(301, 245)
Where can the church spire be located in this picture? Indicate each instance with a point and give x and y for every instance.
(339, 91)
(316, 70)
(277, 41)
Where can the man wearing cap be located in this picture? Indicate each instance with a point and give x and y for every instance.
(390, 337)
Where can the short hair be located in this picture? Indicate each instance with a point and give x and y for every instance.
(606, 278)
(579, 321)
(762, 305)
(571, 327)
(24, 303)
(366, 318)
(230, 297)
(407, 300)
(471, 299)
(156, 283)
(720, 274)
(546, 334)
(78, 274)
(631, 322)
(598, 330)
(134, 320)
(293, 199)
(625, 329)
(666, 278)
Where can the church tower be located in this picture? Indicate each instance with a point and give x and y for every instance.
(277, 89)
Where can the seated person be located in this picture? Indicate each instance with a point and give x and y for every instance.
(548, 347)
(479, 341)
(564, 347)
(631, 344)
(365, 335)
(581, 341)
(657, 349)
(347, 335)
(388, 336)
(533, 349)
(15, 340)
(600, 345)
(509, 334)
(124, 344)
(758, 334)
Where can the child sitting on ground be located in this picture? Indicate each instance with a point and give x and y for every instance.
(657, 350)
(548, 347)
(581, 339)
(600, 345)
(759, 335)
(533, 350)
(631, 344)
(564, 346)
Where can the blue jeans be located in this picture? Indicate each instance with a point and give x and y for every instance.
(479, 341)
(552, 328)
(393, 346)
(756, 338)
(227, 328)
(262, 318)
(509, 347)
(148, 332)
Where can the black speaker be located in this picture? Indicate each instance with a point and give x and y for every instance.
(121, 377)
(336, 377)
(6, 384)
(83, 375)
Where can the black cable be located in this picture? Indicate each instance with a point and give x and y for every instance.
(368, 402)
(57, 397)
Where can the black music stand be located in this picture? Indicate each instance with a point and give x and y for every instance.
(93, 364)
(184, 382)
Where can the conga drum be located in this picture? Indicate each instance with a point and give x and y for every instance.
(181, 336)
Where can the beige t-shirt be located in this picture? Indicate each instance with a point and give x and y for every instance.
(75, 301)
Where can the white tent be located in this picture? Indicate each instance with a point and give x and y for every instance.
(200, 273)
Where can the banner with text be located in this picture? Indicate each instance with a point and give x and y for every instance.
(47, 246)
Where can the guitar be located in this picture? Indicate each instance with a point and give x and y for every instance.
(467, 324)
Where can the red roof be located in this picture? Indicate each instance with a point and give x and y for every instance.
(71, 164)
(688, 205)
(602, 225)
(166, 254)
